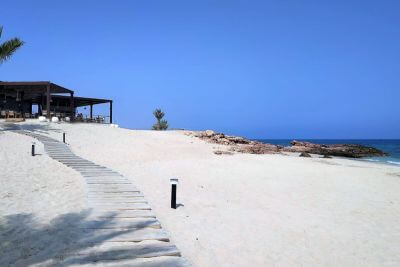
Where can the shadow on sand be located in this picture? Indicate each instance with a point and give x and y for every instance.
(24, 241)
(31, 127)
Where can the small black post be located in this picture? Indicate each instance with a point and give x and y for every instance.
(174, 182)
(63, 137)
(33, 149)
(173, 196)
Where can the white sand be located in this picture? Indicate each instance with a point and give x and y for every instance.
(39, 198)
(240, 210)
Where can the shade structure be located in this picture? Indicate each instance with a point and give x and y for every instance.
(50, 98)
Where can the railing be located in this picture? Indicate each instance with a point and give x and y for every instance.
(94, 119)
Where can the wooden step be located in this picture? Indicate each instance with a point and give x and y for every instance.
(114, 194)
(117, 200)
(116, 235)
(120, 223)
(119, 206)
(93, 202)
(120, 251)
(121, 214)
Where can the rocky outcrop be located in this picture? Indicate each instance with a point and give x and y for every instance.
(243, 145)
(340, 150)
(238, 144)
(256, 148)
(220, 138)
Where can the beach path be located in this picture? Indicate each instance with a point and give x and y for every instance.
(121, 229)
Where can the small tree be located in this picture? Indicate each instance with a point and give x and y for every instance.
(8, 47)
(161, 124)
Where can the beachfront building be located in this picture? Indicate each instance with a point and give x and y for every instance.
(17, 100)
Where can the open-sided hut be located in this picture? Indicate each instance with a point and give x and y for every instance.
(17, 98)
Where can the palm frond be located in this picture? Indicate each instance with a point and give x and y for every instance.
(158, 114)
(161, 124)
(8, 48)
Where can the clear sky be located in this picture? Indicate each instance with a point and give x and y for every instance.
(262, 69)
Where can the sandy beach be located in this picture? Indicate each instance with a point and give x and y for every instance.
(234, 210)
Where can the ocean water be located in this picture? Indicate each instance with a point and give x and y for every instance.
(390, 146)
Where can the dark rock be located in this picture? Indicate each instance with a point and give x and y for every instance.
(340, 150)
(257, 148)
(327, 157)
(305, 154)
(221, 152)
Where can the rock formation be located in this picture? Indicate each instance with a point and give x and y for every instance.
(340, 150)
(236, 143)
(243, 145)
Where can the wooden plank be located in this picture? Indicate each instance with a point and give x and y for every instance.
(101, 172)
(90, 168)
(112, 191)
(105, 178)
(108, 187)
(118, 251)
(99, 179)
(130, 187)
(75, 161)
(108, 182)
(112, 188)
(129, 235)
(115, 201)
(114, 195)
(81, 164)
(102, 175)
(66, 157)
(168, 261)
(61, 151)
(121, 214)
(120, 206)
(120, 223)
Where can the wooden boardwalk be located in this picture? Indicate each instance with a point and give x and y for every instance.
(122, 229)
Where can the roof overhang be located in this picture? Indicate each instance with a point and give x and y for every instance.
(80, 101)
(35, 87)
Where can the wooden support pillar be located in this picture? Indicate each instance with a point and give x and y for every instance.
(91, 111)
(71, 102)
(42, 105)
(48, 99)
(111, 118)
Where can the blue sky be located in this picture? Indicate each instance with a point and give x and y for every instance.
(262, 69)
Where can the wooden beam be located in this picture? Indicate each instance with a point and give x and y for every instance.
(48, 96)
(71, 101)
(91, 111)
(111, 115)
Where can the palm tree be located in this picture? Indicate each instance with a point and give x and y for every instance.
(8, 47)
(161, 124)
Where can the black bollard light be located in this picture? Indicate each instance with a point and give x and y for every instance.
(63, 137)
(174, 183)
(33, 149)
